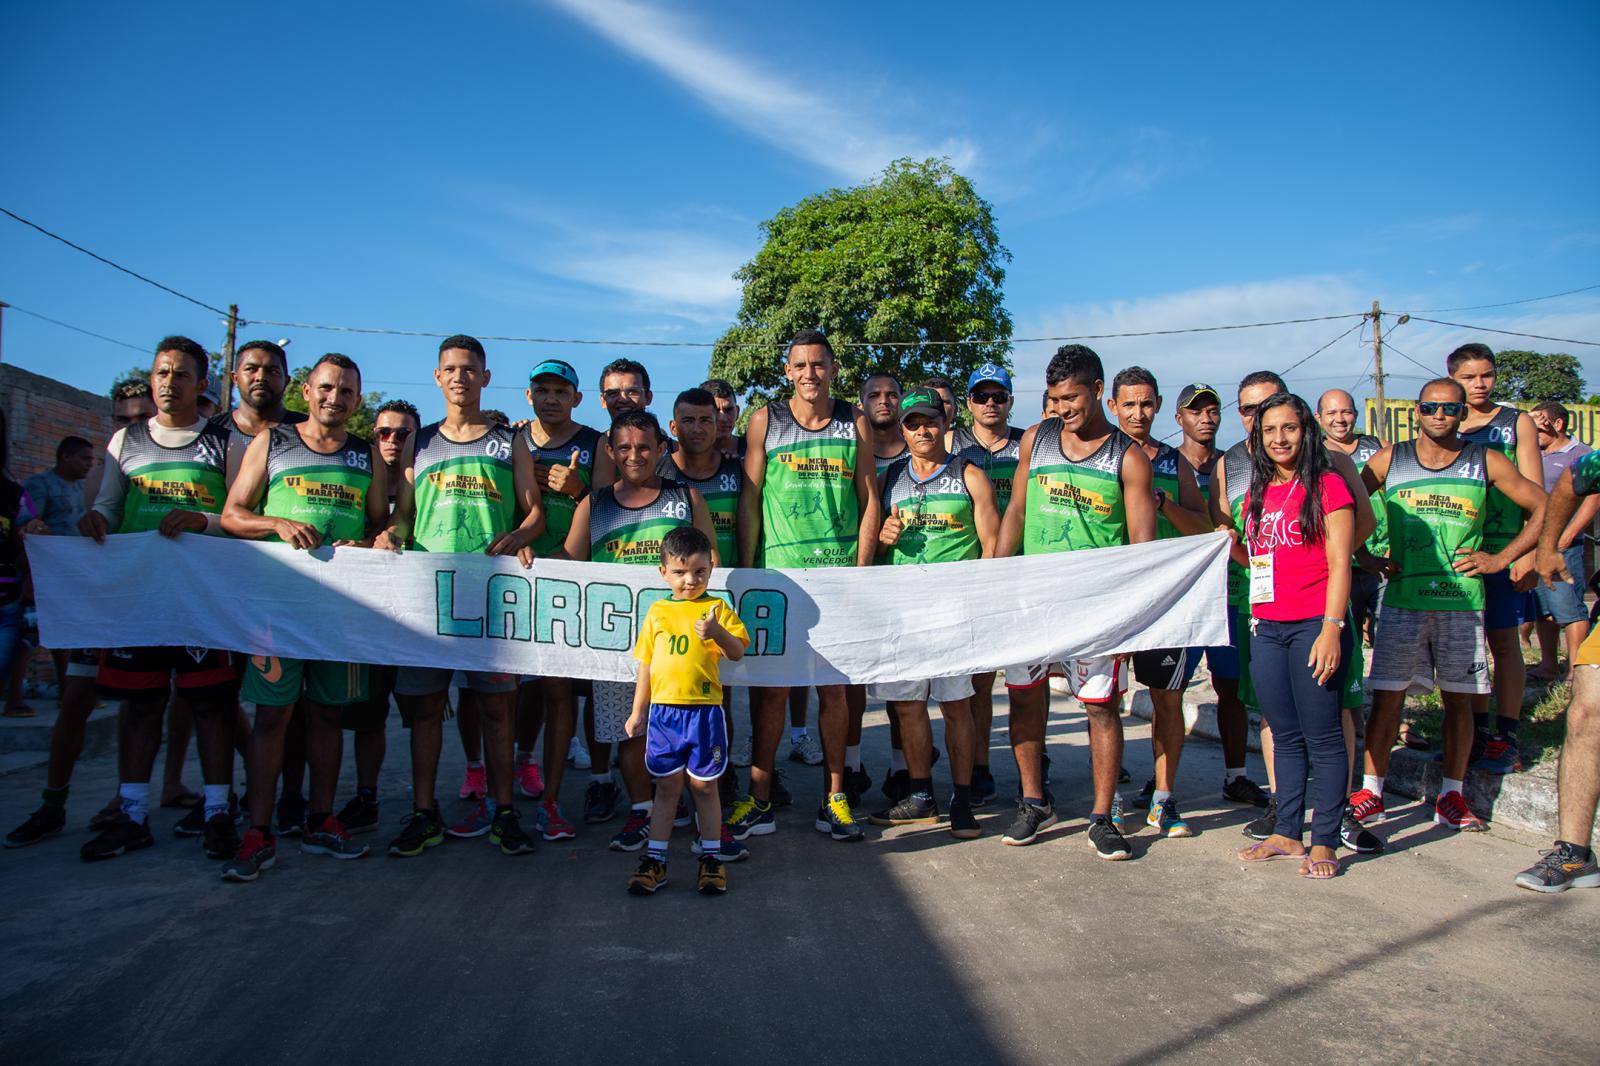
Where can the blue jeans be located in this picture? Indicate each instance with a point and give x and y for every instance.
(12, 626)
(1307, 729)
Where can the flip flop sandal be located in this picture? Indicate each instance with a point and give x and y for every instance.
(1317, 864)
(1264, 852)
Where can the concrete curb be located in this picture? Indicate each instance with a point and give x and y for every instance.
(1525, 801)
(25, 742)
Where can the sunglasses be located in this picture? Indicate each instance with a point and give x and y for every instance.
(398, 434)
(984, 399)
(1451, 408)
(1248, 410)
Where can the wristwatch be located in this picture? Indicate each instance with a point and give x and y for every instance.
(1161, 498)
(1336, 621)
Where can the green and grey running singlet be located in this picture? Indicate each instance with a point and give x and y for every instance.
(619, 534)
(1433, 514)
(465, 490)
(809, 512)
(937, 523)
(325, 490)
(1074, 503)
(1000, 465)
(193, 477)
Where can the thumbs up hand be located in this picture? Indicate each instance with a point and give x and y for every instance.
(708, 627)
(893, 526)
(565, 479)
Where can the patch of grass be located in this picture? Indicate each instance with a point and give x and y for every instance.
(1539, 738)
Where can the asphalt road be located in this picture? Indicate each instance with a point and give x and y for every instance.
(909, 947)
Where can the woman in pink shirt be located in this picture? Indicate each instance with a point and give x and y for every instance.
(1299, 520)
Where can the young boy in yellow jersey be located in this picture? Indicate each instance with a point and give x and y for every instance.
(677, 703)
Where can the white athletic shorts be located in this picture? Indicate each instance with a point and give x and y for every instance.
(612, 703)
(1101, 680)
(1417, 650)
(940, 688)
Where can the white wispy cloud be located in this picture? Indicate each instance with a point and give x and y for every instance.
(829, 131)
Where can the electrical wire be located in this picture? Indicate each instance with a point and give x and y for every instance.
(76, 329)
(1505, 332)
(1506, 303)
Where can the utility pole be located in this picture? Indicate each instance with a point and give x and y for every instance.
(227, 358)
(1377, 376)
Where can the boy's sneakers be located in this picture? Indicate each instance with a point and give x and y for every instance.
(600, 801)
(47, 821)
(509, 834)
(1166, 820)
(256, 853)
(915, 809)
(331, 838)
(1107, 841)
(635, 832)
(359, 815)
(835, 819)
(647, 877)
(713, 880)
(751, 817)
(1452, 811)
(1028, 822)
(1366, 807)
(530, 782)
(422, 830)
(122, 835)
(553, 825)
(1500, 756)
(479, 822)
(1263, 827)
(732, 850)
(1559, 869)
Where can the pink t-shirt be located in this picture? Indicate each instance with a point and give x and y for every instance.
(1299, 570)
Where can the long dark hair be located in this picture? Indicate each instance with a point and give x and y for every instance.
(1309, 466)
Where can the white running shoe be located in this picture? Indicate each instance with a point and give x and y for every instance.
(578, 754)
(806, 750)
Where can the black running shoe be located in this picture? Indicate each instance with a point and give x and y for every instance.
(857, 783)
(1559, 869)
(1025, 827)
(728, 790)
(192, 824)
(422, 830)
(778, 794)
(291, 816)
(1108, 841)
(984, 789)
(222, 837)
(122, 835)
(963, 825)
(1244, 790)
(1142, 798)
(1262, 827)
(1123, 777)
(913, 810)
(359, 816)
(600, 802)
(1356, 837)
(47, 821)
(508, 830)
(896, 785)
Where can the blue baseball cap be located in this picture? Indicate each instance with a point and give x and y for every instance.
(559, 367)
(990, 372)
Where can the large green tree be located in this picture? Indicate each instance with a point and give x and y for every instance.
(913, 256)
(1538, 377)
(361, 423)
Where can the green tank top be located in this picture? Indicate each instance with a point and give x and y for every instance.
(1074, 504)
(1366, 448)
(619, 534)
(936, 512)
(1502, 519)
(721, 493)
(999, 466)
(558, 506)
(881, 463)
(1164, 476)
(466, 493)
(810, 516)
(1237, 470)
(193, 477)
(327, 491)
(1432, 514)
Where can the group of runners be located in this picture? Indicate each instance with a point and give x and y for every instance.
(814, 481)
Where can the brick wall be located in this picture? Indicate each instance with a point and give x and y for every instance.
(40, 411)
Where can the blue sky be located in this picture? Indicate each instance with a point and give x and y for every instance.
(598, 169)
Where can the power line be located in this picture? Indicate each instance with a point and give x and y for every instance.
(76, 329)
(1506, 303)
(1505, 332)
(779, 346)
(109, 263)
(1433, 372)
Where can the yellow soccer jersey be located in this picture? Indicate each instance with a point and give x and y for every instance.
(683, 667)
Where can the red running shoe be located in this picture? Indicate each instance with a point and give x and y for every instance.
(1366, 807)
(530, 782)
(1451, 810)
(476, 786)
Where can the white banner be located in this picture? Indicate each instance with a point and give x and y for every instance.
(565, 619)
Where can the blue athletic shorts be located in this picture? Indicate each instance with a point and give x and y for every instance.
(1222, 660)
(1504, 608)
(692, 738)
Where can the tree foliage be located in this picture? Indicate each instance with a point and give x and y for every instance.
(1538, 377)
(361, 423)
(911, 256)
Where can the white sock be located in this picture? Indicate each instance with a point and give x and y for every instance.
(797, 733)
(475, 765)
(603, 778)
(1232, 772)
(1158, 797)
(852, 757)
(135, 800)
(1449, 785)
(644, 808)
(897, 759)
(216, 799)
(1373, 783)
